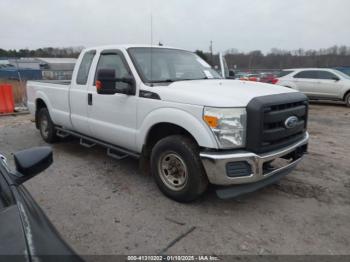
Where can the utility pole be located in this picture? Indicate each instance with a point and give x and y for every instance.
(211, 52)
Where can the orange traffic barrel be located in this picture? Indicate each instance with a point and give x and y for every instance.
(7, 103)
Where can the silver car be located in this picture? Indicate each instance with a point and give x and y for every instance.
(318, 83)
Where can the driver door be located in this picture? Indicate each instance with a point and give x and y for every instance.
(330, 84)
(112, 118)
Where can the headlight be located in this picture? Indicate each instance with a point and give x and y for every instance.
(228, 125)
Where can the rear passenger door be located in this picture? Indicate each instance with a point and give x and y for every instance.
(78, 95)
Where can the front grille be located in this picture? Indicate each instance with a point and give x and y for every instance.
(266, 130)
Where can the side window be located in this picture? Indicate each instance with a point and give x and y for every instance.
(114, 61)
(326, 75)
(307, 75)
(84, 68)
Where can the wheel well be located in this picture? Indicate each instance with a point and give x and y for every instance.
(39, 104)
(347, 92)
(160, 131)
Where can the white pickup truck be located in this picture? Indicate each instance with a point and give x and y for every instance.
(169, 108)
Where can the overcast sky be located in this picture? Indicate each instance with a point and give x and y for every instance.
(243, 24)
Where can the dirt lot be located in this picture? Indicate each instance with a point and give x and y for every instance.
(102, 206)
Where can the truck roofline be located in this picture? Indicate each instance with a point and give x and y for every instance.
(127, 46)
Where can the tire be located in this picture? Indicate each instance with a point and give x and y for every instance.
(46, 126)
(177, 169)
(347, 100)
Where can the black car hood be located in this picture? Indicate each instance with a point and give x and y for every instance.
(42, 238)
(13, 240)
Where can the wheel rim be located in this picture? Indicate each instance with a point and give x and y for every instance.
(44, 126)
(173, 171)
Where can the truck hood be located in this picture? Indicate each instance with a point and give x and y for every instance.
(217, 93)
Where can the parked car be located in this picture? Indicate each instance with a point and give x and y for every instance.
(250, 77)
(239, 75)
(268, 78)
(177, 114)
(318, 83)
(25, 231)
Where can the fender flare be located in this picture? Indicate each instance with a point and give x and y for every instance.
(198, 129)
(42, 96)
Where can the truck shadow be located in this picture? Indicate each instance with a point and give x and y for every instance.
(126, 177)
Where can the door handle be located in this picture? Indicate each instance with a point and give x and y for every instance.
(90, 99)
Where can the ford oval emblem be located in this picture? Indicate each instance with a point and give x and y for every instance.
(291, 122)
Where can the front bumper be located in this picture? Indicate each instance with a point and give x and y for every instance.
(215, 164)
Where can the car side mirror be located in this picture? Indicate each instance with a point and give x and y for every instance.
(335, 78)
(31, 162)
(106, 83)
(231, 74)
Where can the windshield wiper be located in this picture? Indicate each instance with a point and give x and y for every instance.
(177, 80)
(162, 81)
(193, 79)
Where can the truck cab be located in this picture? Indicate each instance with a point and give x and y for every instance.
(169, 108)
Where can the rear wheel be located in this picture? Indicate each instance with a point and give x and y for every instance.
(347, 100)
(46, 126)
(177, 168)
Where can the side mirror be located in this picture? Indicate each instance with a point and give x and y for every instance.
(231, 74)
(31, 162)
(335, 78)
(106, 83)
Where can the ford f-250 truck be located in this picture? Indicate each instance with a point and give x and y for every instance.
(169, 108)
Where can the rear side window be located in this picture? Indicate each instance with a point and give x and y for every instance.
(307, 74)
(285, 73)
(326, 75)
(84, 68)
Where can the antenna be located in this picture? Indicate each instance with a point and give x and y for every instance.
(151, 29)
(151, 45)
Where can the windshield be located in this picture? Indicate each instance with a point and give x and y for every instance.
(159, 65)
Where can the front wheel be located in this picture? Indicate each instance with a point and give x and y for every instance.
(177, 168)
(347, 100)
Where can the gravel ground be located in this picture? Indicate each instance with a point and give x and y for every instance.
(102, 206)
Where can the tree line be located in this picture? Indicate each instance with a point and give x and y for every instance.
(275, 59)
(335, 56)
(68, 52)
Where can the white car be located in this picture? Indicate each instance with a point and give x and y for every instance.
(318, 83)
(169, 108)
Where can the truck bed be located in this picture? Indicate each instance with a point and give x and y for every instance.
(55, 94)
(57, 82)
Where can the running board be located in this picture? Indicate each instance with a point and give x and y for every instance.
(112, 150)
(86, 143)
(61, 134)
(116, 154)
